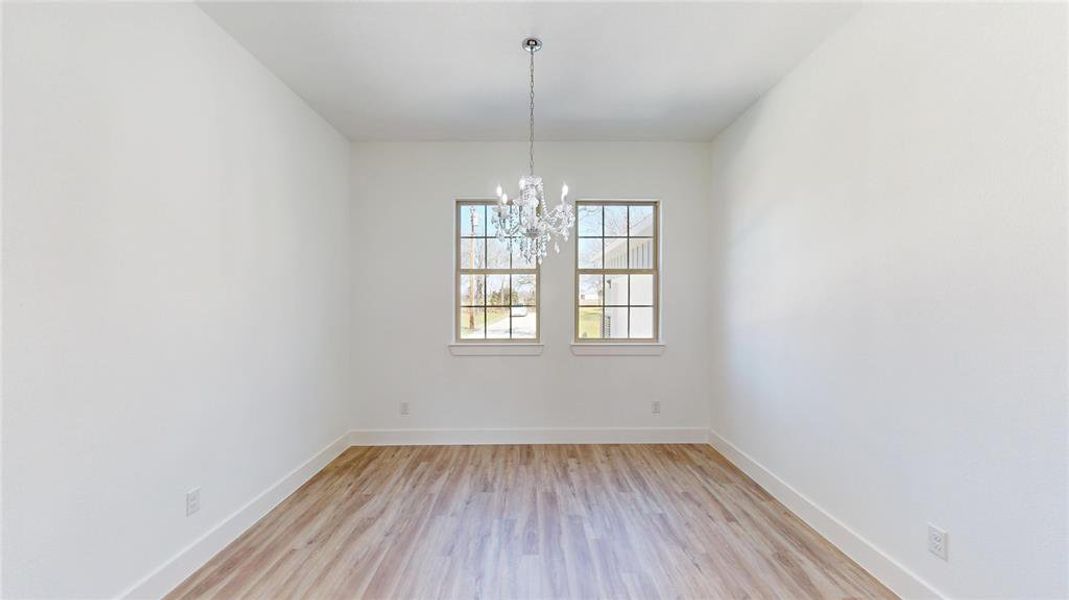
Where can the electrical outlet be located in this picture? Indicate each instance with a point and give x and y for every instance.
(655, 407)
(192, 501)
(937, 541)
(404, 409)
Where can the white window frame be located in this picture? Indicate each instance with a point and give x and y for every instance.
(458, 304)
(655, 271)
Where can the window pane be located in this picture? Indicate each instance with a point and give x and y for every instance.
(616, 253)
(641, 250)
(497, 254)
(472, 254)
(524, 321)
(472, 220)
(497, 290)
(615, 322)
(590, 322)
(616, 220)
(491, 226)
(589, 220)
(641, 289)
(640, 220)
(616, 290)
(471, 289)
(524, 290)
(590, 288)
(641, 322)
(518, 262)
(590, 253)
(497, 323)
(471, 323)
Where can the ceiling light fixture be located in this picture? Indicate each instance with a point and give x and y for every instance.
(526, 220)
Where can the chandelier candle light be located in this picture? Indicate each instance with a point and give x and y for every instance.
(526, 220)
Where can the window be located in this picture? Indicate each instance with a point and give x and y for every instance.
(616, 275)
(497, 291)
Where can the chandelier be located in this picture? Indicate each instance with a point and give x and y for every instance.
(526, 221)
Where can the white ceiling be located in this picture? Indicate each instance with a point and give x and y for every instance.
(456, 71)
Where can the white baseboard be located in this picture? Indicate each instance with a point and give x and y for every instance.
(890, 572)
(171, 573)
(600, 435)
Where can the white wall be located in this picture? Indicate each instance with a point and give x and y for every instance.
(1, 306)
(892, 332)
(403, 203)
(175, 288)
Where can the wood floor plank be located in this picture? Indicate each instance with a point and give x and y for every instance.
(554, 521)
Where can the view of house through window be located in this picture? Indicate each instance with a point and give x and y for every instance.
(497, 290)
(616, 271)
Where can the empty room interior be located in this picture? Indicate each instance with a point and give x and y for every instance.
(572, 300)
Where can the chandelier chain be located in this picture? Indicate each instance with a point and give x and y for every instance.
(530, 144)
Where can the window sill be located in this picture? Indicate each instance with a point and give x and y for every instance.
(620, 349)
(480, 349)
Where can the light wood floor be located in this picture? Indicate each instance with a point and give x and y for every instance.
(590, 521)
